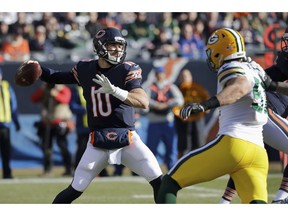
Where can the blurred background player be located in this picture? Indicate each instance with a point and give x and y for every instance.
(8, 114)
(275, 132)
(78, 107)
(189, 131)
(238, 150)
(56, 122)
(163, 97)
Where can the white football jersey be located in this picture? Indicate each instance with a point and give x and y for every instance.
(245, 118)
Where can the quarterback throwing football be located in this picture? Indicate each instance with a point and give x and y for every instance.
(112, 89)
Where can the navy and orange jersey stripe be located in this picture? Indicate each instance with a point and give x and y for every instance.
(278, 121)
(278, 102)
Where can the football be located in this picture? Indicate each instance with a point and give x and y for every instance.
(28, 73)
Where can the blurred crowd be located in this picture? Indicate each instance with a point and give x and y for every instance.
(60, 36)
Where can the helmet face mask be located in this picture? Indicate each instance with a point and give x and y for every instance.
(223, 45)
(114, 54)
(106, 42)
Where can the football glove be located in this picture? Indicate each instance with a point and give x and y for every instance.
(104, 82)
(108, 88)
(190, 109)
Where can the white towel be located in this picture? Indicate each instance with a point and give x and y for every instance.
(115, 156)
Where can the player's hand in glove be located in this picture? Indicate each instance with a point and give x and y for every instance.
(104, 82)
(193, 108)
(108, 88)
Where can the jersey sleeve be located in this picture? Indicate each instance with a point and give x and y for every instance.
(282, 63)
(228, 72)
(58, 77)
(133, 77)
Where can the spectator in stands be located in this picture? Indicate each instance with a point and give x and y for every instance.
(93, 25)
(52, 27)
(44, 19)
(251, 37)
(140, 31)
(192, 92)
(140, 28)
(4, 32)
(110, 19)
(190, 44)
(56, 122)
(40, 42)
(8, 114)
(163, 97)
(202, 29)
(75, 35)
(166, 21)
(16, 47)
(162, 46)
(24, 21)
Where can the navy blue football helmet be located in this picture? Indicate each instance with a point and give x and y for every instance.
(109, 36)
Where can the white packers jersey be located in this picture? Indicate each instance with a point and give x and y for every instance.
(245, 118)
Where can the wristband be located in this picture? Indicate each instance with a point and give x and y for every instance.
(120, 94)
(213, 102)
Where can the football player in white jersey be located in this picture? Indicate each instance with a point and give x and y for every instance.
(238, 149)
(275, 132)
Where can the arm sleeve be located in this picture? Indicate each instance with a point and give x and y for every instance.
(57, 77)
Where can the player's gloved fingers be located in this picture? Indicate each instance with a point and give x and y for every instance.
(97, 81)
(100, 78)
(106, 80)
(195, 108)
(188, 112)
(202, 108)
(184, 112)
(100, 90)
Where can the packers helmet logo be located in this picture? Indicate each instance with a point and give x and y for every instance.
(213, 39)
